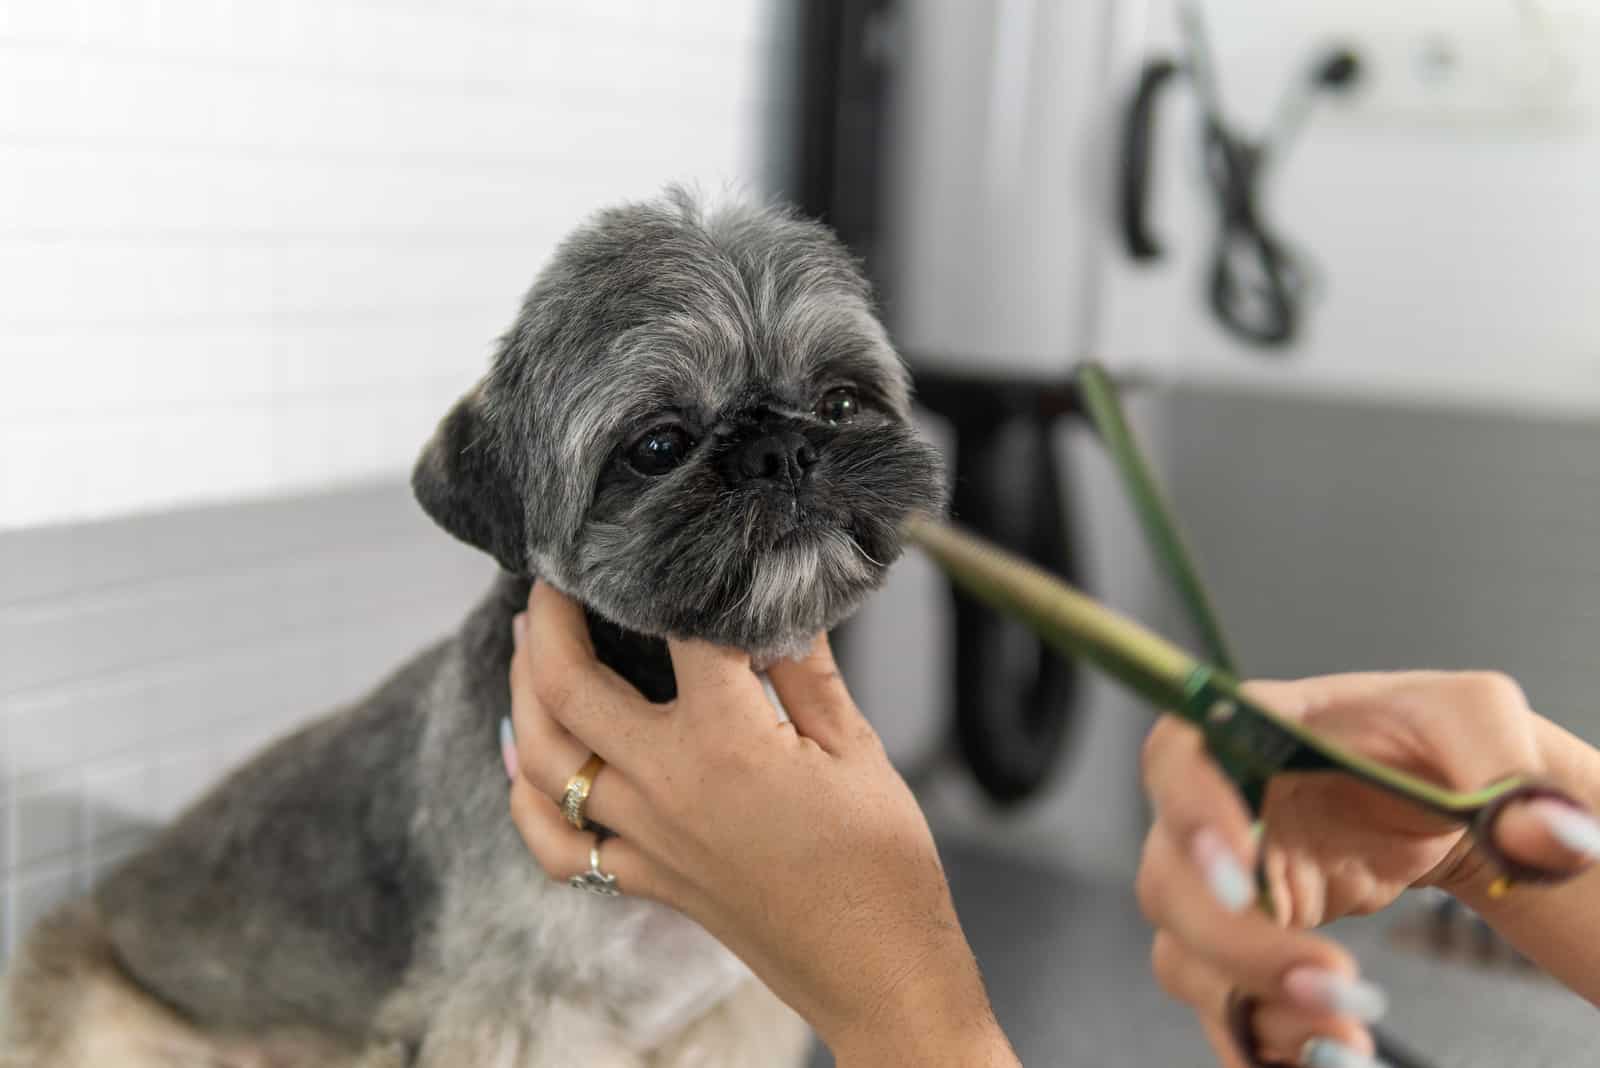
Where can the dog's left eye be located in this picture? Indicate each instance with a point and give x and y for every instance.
(660, 450)
(838, 405)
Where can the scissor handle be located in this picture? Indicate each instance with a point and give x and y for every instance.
(1252, 744)
(1487, 816)
(1239, 1016)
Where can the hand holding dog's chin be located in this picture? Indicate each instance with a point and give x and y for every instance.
(801, 848)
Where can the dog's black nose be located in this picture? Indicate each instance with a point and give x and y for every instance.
(776, 456)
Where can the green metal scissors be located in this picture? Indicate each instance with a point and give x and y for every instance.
(1251, 743)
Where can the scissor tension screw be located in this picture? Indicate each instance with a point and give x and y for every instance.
(1221, 711)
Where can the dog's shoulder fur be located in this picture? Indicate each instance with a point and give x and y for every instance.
(227, 882)
(343, 887)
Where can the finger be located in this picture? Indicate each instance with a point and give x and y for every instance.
(1186, 977)
(542, 745)
(1460, 727)
(1296, 698)
(1246, 948)
(1280, 1028)
(1549, 835)
(814, 695)
(547, 758)
(559, 646)
(1287, 1034)
(705, 672)
(1190, 980)
(560, 621)
(1197, 806)
(1222, 1044)
(554, 668)
(563, 851)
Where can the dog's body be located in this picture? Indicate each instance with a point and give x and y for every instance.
(356, 896)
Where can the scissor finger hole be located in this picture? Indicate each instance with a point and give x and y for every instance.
(1535, 833)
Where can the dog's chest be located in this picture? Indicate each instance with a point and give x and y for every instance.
(660, 971)
(639, 970)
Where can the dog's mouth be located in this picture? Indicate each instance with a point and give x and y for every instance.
(797, 520)
(831, 535)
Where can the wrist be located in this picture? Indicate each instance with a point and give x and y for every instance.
(935, 1044)
(936, 1012)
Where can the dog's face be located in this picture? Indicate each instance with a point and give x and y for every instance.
(696, 426)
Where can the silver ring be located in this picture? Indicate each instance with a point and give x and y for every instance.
(594, 880)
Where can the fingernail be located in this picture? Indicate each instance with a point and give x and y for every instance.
(519, 628)
(1322, 990)
(1326, 1053)
(1229, 881)
(508, 747)
(1572, 827)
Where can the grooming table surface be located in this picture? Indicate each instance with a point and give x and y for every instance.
(1066, 961)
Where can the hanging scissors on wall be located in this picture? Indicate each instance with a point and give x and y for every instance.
(1257, 282)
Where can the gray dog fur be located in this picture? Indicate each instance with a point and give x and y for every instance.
(356, 894)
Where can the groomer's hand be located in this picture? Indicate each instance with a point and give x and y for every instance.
(797, 845)
(1336, 847)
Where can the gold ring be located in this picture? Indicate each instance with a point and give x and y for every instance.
(577, 793)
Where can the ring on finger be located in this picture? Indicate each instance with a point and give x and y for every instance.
(595, 880)
(576, 794)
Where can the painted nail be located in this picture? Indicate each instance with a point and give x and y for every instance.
(1326, 1053)
(1229, 881)
(519, 628)
(1321, 990)
(508, 747)
(1573, 828)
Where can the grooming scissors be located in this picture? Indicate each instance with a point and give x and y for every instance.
(1250, 742)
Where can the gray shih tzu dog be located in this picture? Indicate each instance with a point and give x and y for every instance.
(696, 427)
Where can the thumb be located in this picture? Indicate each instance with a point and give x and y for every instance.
(1550, 835)
(814, 694)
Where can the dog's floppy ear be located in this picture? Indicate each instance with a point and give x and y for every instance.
(462, 483)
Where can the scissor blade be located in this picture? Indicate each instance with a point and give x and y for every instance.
(1098, 394)
(1067, 619)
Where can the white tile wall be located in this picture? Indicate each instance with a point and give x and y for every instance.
(143, 656)
(247, 248)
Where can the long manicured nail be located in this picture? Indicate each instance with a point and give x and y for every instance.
(1321, 990)
(1230, 883)
(1326, 1053)
(519, 628)
(508, 747)
(1572, 827)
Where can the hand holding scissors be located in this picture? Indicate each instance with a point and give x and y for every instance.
(1251, 743)
(1336, 847)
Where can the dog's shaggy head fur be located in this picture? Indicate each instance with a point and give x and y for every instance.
(696, 426)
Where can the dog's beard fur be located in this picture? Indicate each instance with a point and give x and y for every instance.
(723, 322)
(756, 569)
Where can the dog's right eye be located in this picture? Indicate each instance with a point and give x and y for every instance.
(660, 450)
